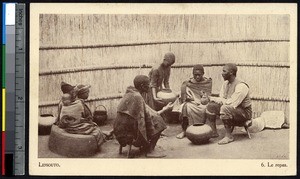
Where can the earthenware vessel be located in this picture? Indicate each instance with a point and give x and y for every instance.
(204, 100)
(199, 133)
(258, 124)
(167, 95)
(100, 115)
(45, 123)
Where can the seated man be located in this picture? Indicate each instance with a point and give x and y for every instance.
(194, 97)
(136, 123)
(234, 103)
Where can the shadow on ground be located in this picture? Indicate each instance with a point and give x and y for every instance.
(267, 144)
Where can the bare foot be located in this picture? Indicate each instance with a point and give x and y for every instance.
(155, 154)
(108, 134)
(163, 135)
(225, 140)
(181, 135)
(215, 135)
(248, 123)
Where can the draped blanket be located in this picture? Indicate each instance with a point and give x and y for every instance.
(147, 120)
(77, 119)
(196, 89)
(191, 94)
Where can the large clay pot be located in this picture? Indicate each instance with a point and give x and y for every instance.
(100, 115)
(204, 100)
(45, 123)
(258, 124)
(167, 96)
(71, 145)
(199, 133)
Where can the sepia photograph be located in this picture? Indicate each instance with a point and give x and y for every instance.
(151, 86)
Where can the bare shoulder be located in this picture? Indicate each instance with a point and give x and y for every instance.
(155, 67)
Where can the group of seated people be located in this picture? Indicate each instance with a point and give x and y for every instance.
(74, 116)
(140, 119)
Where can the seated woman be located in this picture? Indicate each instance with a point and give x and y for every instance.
(136, 123)
(194, 97)
(75, 117)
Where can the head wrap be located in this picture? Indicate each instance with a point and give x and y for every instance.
(139, 80)
(170, 57)
(66, 88)
(199, 68)
(232, 67)
(83, 91)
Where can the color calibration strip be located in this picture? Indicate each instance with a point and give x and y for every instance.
(3, 90)
(13, 89)
(8, 85)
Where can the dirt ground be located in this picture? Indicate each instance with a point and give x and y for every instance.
(267, 144)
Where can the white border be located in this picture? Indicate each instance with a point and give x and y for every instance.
(98, 166)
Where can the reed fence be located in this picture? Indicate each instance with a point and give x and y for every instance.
(214, 53)
(80, 29)
(108, 51)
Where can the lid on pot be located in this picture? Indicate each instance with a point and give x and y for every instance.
(165, 90)
(198, 124)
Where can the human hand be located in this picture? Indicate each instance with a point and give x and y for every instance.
(159, 100)
(189, 99)
(216, 100)
(168, 106)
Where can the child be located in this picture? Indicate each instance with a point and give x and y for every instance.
(72, 110)
(66, 99)
(75, 117)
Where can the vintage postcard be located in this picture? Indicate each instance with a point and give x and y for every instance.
(163, 89)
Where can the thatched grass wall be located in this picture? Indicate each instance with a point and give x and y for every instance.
(107, 51)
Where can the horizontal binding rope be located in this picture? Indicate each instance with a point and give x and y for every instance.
(118, 96)
(155, 43)
(271, 99)
(109, 97)
(93, 68)
(75, 70)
